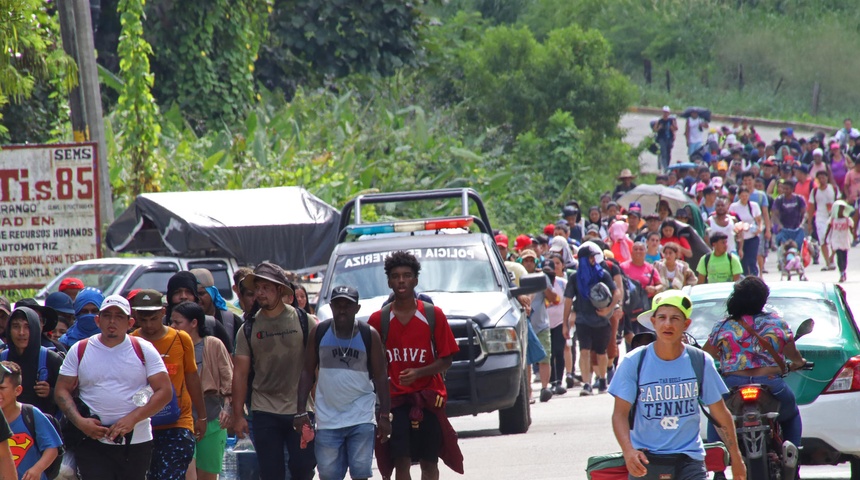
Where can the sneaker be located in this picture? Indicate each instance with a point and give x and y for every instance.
(601, 385)
(558, 390)
(545, 395)
(843, 277)
(569, 381)
(586, 390)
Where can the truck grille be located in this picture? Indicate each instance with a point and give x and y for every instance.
(460, 328)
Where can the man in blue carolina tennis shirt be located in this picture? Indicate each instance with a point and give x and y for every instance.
(665, 431)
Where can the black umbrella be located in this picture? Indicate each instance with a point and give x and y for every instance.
(703, 112)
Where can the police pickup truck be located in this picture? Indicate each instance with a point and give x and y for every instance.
(464, 275)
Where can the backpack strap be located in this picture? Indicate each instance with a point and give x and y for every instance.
(384, 323)
(135, 345)
(82, 348)
(632, 415)
(697, 358)
(4, 355)
(30, 422)
(303, 322)
(430, 315)
(367, 338)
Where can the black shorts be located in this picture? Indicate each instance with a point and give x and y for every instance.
(422, 443)
(594, 338)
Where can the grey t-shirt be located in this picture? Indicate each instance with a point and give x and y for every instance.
(539, 317)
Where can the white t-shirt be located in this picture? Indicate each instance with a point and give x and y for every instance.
(729, 230)
(822, 199)
(696, 134)
(747, 213)
(108, 378)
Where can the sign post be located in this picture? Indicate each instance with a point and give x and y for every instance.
(49, 211)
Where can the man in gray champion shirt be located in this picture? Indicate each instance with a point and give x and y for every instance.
(345, 399)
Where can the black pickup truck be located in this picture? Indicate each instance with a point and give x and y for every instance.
(464, 275)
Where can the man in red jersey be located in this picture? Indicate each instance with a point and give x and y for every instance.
(417, 357)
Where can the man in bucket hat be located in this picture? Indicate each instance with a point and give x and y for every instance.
(655, 432)
(272, 356)
(625, 179)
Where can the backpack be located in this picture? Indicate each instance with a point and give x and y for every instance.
(697, 358)
(363, 330)
(636, 300)
(53, 470)
(43, 362)
(429, 313)
(731, 266)
(248, 326)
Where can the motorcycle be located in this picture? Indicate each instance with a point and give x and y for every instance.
(755, 411)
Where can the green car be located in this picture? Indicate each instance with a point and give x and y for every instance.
(828, 395)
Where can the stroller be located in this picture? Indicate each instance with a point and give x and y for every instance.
(792, 260)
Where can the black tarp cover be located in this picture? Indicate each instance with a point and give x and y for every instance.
(284, 225)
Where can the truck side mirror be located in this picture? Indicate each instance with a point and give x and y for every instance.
(531, 283)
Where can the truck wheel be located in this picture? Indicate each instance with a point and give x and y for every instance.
(517, 418)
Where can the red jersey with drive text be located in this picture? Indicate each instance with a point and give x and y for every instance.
(408, 346)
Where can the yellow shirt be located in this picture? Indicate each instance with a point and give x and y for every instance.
(177, 352)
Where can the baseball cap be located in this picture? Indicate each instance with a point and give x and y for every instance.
(785, 167)
(558, 244)
(652, 216)
(522, 241)
(819, 152)
(634, 207)
(60, 302)
(502, 240)
(672, 298)
(344, 291)
(725, 153)
(147, 300)
(528, 253)
(592, 228)
(204, 277)
(116, 301)
(590, 249)
(770, 163)
(722, 165)
(834, 146)
(71, 282)
(271, 272)
(666, 108)
(548, 230)
(801, 167)
(569, 211)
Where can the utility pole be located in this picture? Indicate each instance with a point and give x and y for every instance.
(78, 115)
(92, 101)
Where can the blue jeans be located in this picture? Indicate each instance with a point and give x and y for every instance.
(789, 415)
(796, 234)
(750, 262)
(339, 448)
(665, 152)
(273, 432)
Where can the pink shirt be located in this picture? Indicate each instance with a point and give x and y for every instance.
(646, 275)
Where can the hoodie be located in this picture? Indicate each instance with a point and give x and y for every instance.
(85, 325)
(185, 279)
(28, 360)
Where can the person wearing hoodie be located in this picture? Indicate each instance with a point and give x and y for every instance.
(23, 334)
(47, 322)
(87, 305)
(182, 287)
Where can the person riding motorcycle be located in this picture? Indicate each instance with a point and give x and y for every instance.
(743, 360)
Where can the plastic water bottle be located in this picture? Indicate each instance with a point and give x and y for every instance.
(228, 471)
(142, 396)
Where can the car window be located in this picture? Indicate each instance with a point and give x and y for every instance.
(794, 310)
(443, 269)
(104, 276)
(151, 279)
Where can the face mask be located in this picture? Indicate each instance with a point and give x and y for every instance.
(86, 322)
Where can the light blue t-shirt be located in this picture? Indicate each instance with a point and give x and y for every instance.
(667, 413)
(24, 450)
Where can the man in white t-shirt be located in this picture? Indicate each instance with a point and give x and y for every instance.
(695, 131)
(110, 370)
(750, 213)
(821, 198)
(722, 222)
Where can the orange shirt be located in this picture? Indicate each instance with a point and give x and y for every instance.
(177, 352)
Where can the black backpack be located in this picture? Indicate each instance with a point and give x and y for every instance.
(53, 470)
(248, 326)
(636, 299)
(363, 330)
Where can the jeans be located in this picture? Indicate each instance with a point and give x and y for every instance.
(665, 153)
(685, 469)
(841, 260)
(339, 448)
(796, 234)
(100, 461)
(789, 415)
(750, 261)
(271, 433)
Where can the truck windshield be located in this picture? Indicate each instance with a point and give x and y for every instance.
(104, 276)
(443, 269)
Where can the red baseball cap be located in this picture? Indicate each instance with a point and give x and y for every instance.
(549, 230)
(502, 240)
(71, 283)
(522, 241)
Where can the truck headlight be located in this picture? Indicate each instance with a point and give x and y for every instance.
(501, 340)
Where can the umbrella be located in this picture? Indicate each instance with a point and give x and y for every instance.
(686, 165)
(649, 197)
(703, 112)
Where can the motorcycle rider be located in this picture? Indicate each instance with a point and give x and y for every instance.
(744, 361)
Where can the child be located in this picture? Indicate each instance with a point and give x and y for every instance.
(841, 234)
(33, 452)
(792, 262)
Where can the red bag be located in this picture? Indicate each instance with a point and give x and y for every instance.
(805, 255)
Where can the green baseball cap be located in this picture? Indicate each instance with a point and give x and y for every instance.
(674, 298)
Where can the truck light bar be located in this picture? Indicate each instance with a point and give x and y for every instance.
(410, 226)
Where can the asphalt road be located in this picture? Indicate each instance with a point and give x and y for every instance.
(568, 429)
(638, 127)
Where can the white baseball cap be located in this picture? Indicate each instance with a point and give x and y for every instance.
(666, 108)
(116, 301)
(818, 152)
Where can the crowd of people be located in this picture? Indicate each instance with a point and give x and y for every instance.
(149, 385)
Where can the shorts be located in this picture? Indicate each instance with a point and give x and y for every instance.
(210, 449)
(593, 338)
(546, 343)
(339, 449)
(172, 452)
(419, 444)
